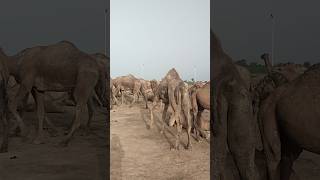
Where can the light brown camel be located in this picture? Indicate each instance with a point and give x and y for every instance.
(4, 77)
(174, 93)
(233, 124)
(290, 119)
(59, 67)
(146, 91)
(130, 83)
(200, 100)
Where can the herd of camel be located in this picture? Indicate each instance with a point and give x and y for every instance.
(185, 102)
(37, 71)
(276, 116)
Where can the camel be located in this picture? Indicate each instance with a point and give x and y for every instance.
(4, 77)
(174, 93)
(60, 67)
(130, 83)
(146, 91)
(276, 77)
(290, 123)
(113, 99)
(200, 100)
(233, 122)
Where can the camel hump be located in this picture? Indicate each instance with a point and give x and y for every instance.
(130, 75)
(65, 42)
(172, 74)
(100, 55)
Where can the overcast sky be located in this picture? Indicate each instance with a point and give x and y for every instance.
(40, 22)
(244, 28)
(149, 37)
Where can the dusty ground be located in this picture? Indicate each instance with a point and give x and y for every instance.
(140, 153)
(84, 159)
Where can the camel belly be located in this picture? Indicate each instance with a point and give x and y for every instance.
(300, 122)
(204, 100)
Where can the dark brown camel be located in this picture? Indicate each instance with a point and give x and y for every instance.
(291, 121)
(60, 67)
(200, 100)
(174, 93)
(233, 124)
(276, 77)
(4, 77)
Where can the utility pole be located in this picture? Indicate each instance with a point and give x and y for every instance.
(194, 73)
(106, 13)
(273, 19)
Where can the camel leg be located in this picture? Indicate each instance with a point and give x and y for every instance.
(82, 92)
(13, 107)
(196, 117)
(163, 117)
(178, 134)
(53, 130)
(241, 135)
(151, 117)
(219, 139)
(122, 97)
(5, 132)
(186, 112)
(289, 154)
(91, 113)
(134, 98)
(39, 97)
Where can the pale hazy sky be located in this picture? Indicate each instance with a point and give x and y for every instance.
(150, 37)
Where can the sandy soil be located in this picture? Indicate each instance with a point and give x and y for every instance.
(140, 153)
(84, 159)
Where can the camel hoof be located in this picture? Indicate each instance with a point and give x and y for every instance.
(38, 141)
(189, 147)
(175, 148)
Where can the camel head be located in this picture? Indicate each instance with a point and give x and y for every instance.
(266, 59)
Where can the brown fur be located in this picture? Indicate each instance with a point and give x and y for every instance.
(290, 118)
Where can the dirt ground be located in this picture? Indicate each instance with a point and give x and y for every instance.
(84, 159)
(141, 153)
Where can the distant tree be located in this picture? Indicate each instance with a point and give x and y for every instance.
(242, 62)
(192, 80)
(306, 64)
(254, 64)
